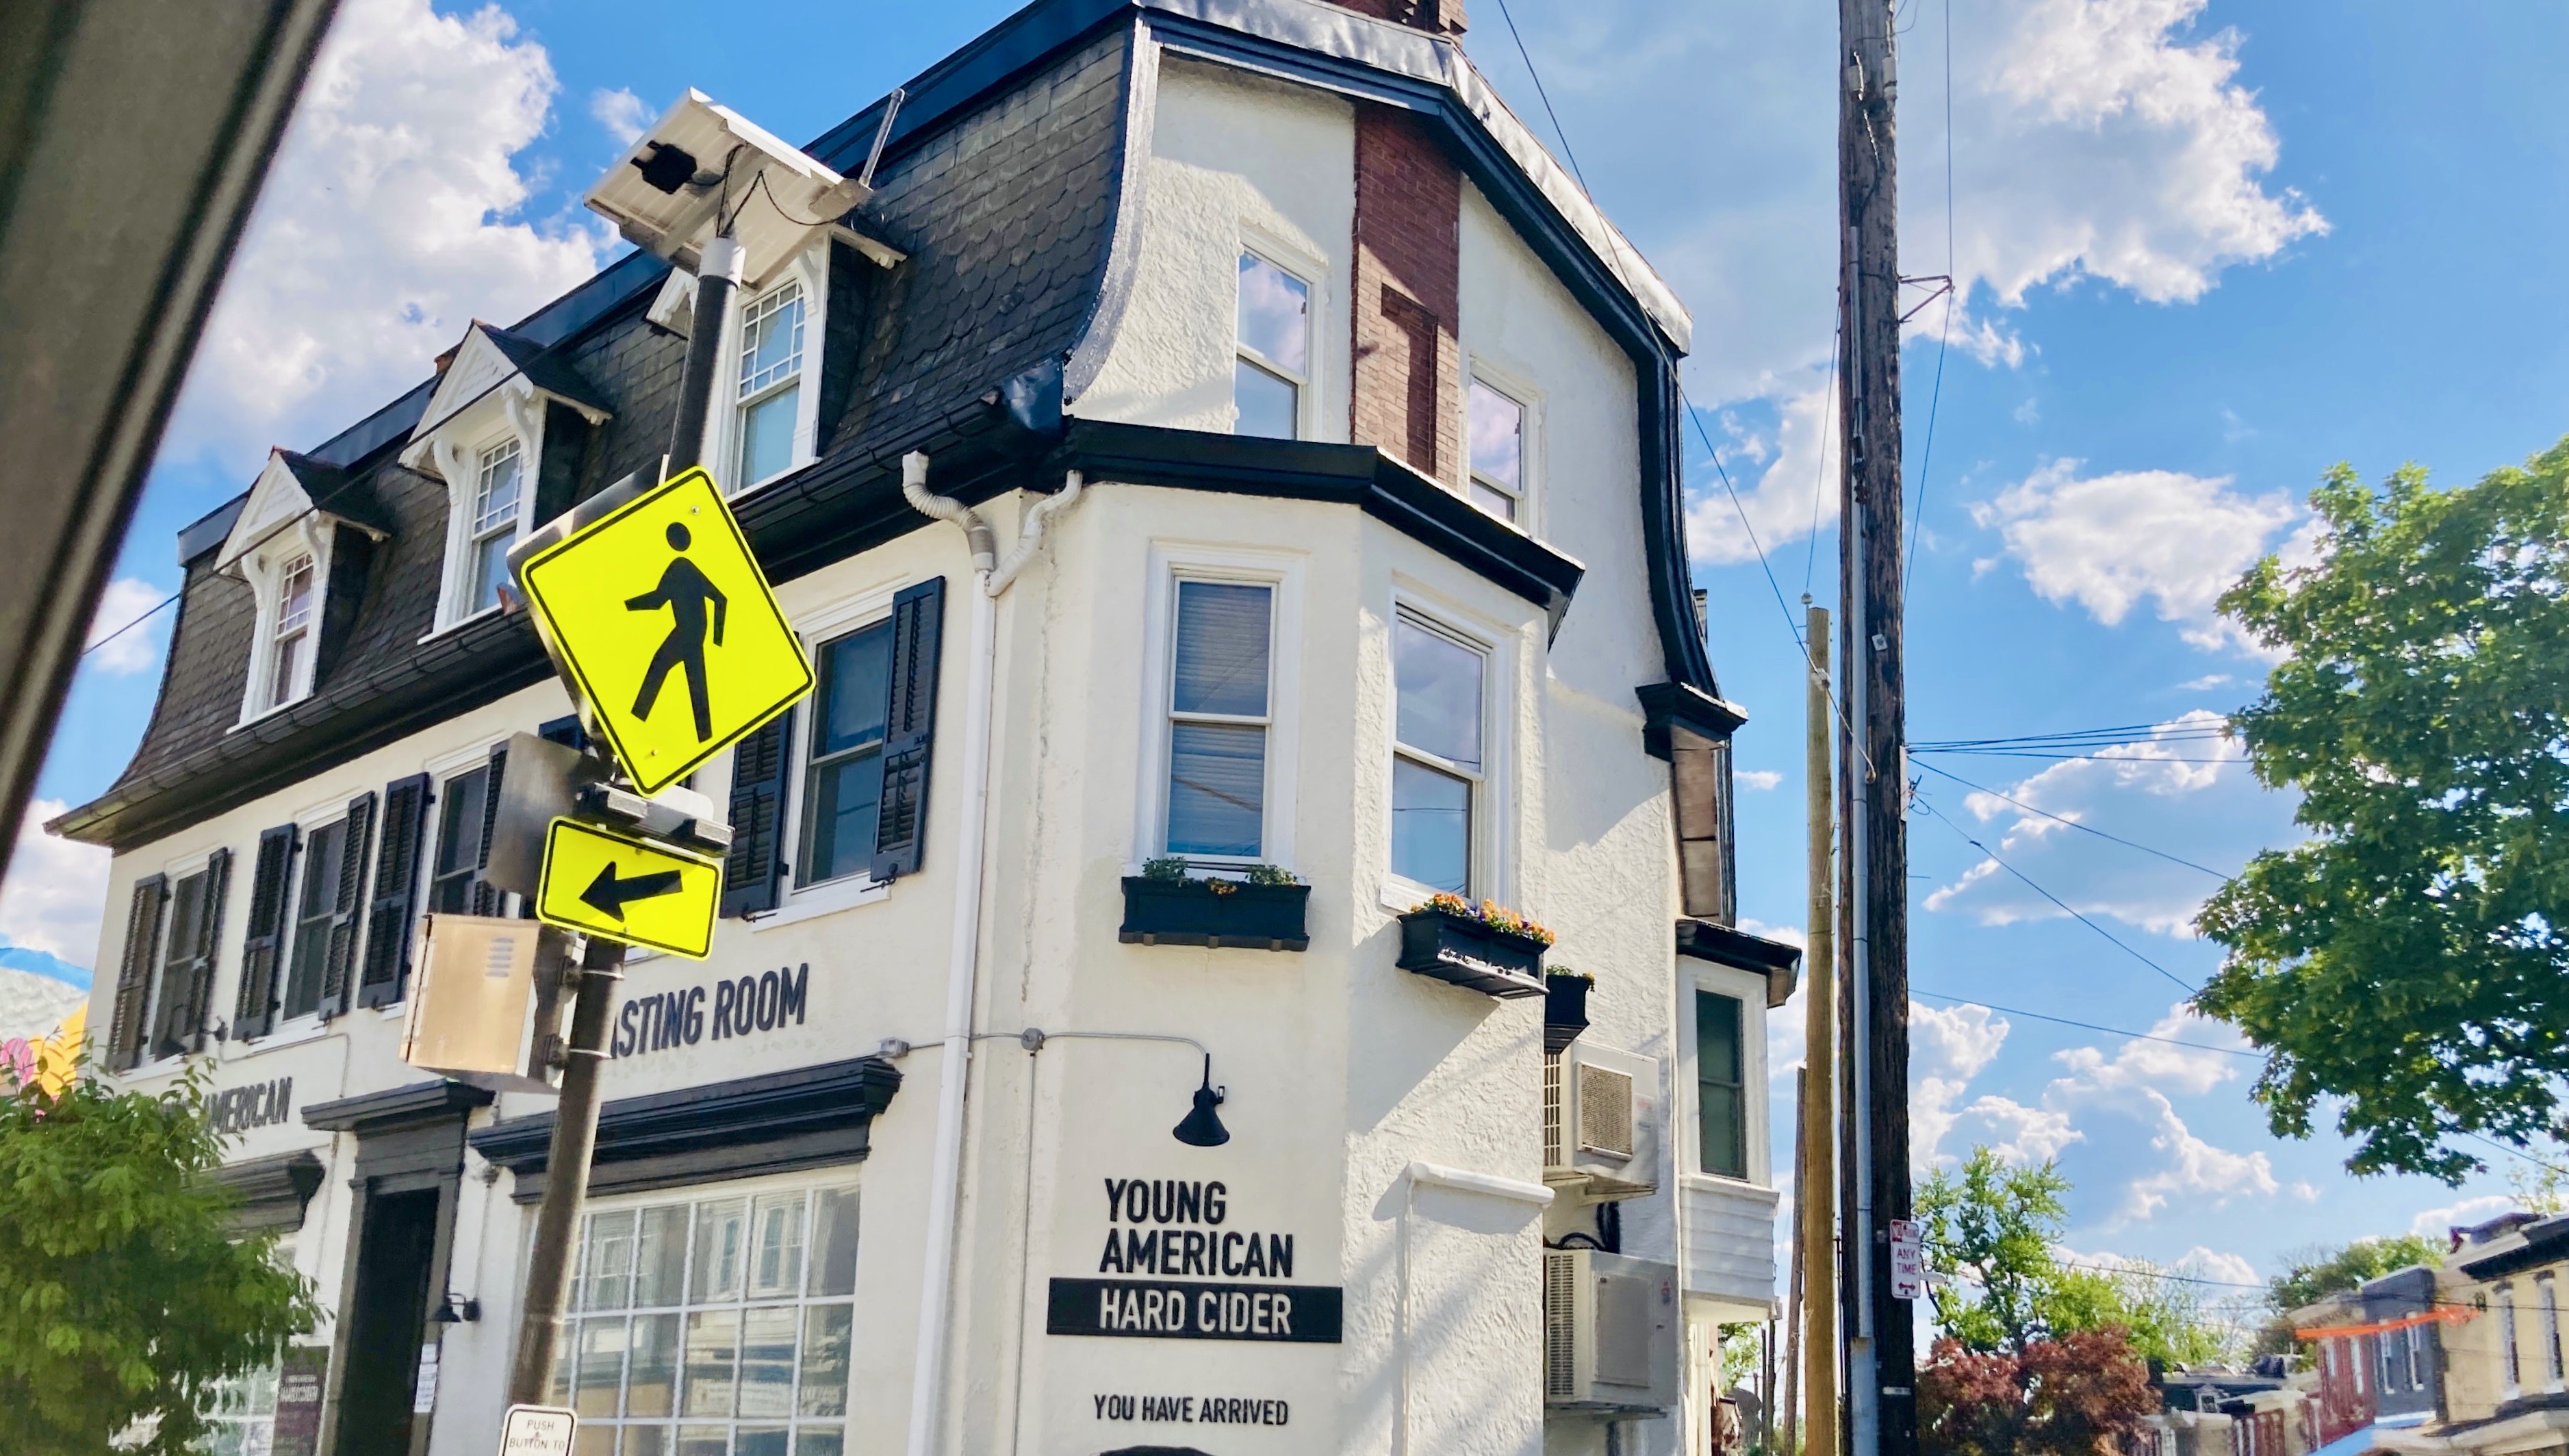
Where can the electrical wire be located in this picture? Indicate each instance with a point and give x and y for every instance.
(129, 626)
(1953, 300)
(2191, 989)
(2084, 1025)
(1820, 468)
(2106, 737)
(2074, 824)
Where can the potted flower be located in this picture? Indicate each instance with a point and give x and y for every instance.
(1564, 1006)
(1488, 947)
(1263, 909)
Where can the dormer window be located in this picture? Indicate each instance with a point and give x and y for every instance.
(771, 383)
(498, 499)
(290, 654)
(509, 431)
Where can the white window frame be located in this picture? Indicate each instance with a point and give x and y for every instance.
(1312, 273)
(1491, 871)
(1171, 563)
(265, 568)
(1520, 390)
(459, 448)
(807, 1181)
(809, 269)
(1749, 990)
(326, 814)
(796, 903)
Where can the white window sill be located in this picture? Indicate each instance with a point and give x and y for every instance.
(270, 712)
(397, 1009)
(1722, 1184)
(821, 900)
(305, 1028)
(460, 622)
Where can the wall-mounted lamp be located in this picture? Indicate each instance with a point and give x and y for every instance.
(1202, 1129)
(457, 1310)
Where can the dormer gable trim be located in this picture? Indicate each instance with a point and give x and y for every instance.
(492, 358)
(292, 488)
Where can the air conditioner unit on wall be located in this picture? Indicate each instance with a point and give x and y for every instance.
(1610, 1331)
(1601, 1123)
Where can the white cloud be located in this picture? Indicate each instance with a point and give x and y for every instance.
(2109, 541)
(2177, 789)
(1948, 1047)
(1759, 780)
(2206, 683)
(2194, 1167)
(2024, 1134)
(137, 648)
(2434, 1223)
(1798, 488)
(389, 222)
(56, 892)
(2140, 1063)
(621, 112)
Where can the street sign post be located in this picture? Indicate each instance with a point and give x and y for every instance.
(628, 889)
(665, 629)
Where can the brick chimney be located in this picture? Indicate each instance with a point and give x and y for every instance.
(1438, 17)
(1409, 396)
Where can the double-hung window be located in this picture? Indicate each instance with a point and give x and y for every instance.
(1220, 715)
(2506, 1332)
(498, 486)
(1436, 760)
(1272, 366)
(460, 832)
(292, 639)
(2551, 1361)
(1722, 1084)
(843, 787)
(1497, 426)
(770, 392)
(720, 1326)
(316, 905)
(171, 1024)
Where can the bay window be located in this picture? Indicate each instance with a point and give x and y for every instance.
(1218, 719)
(1436, 764)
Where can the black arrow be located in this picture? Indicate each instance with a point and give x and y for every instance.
(608, 896)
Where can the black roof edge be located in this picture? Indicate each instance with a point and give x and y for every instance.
(396, 1107)
(2546, 1241)
(210, 530)
(1666, 705)
(1024, 39)
(1358, 475)
(1729, 946)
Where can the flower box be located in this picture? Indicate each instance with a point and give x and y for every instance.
(1194, 913)
(1565, 1011)
(1471, 952)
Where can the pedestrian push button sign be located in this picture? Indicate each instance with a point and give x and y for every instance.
(623, 888)
(661, 618)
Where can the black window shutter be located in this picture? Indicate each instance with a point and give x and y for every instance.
(347, 907)
(187, 1023)
(755, 868)
(488, 898)
(133, 974)
(385, 972)
(254, 1009)
(909, 724)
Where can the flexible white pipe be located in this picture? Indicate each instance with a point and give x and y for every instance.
(945, 1179)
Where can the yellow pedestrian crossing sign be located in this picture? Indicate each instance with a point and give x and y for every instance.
(658, 614)
(601, 883)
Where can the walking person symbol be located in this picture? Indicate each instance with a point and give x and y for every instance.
(685, 591)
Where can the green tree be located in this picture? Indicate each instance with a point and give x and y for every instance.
(2165, 1314)
(122, 1293)
(1989, 1235)
(2317, 1273)
(2404, 961)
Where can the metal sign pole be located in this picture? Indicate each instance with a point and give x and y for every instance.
(566, 1174)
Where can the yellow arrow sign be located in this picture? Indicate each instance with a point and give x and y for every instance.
(601, 883)
(668, 629)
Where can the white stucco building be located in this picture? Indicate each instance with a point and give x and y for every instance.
(1378, 575)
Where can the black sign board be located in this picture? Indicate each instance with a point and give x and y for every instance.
(300, 1379)
(1161, 1309)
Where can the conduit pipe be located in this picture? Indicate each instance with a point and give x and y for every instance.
(991, 576)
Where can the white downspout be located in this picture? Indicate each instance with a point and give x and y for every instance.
(991, 576)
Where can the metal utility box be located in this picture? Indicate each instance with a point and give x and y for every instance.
(486, 1002)
(1610, 1333)
(1601, 1123)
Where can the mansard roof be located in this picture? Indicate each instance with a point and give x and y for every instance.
(291, 486)
(1002, 185)
(488, 358)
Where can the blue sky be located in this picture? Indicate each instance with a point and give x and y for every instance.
(2208, 249)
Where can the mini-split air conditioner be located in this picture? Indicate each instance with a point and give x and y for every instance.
(1610, 1331)
(1601, 1123)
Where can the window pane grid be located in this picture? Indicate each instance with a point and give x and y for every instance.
(494, 505)
(771, 340)
(720, 1326)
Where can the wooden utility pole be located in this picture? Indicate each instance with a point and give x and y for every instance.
(1815, 1191)
(1882, 1411)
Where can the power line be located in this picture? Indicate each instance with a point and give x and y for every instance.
(2119, 944)
(1953, 300)
(2074, 824)
(2177, 731)
(2086, 1025)
(129, 626)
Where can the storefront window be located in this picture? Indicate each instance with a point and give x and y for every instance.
(714, 1326)
(241, 1420)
